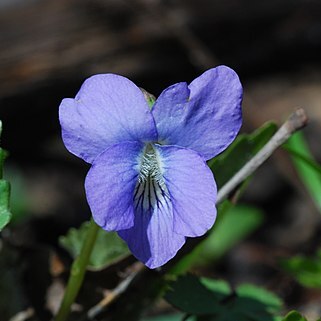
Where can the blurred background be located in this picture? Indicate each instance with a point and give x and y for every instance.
(48, 48)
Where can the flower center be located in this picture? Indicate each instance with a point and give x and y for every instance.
(150, 190)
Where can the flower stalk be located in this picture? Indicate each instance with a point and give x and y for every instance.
(77, 273)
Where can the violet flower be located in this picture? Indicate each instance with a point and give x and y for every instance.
(149, 180)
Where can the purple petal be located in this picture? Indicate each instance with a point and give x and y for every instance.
(165, 214)
(110, 185)
(204, 116)
(192, 190)
(107, 110)
(152, 239)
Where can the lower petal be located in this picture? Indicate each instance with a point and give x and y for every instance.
(110, 185)
(192, 190)
(152, 239)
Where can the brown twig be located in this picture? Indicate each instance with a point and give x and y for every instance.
(93, 312)
(296, 121)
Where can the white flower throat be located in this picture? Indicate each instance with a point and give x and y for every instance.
(150, 191)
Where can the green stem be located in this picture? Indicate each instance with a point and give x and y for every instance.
(77, 273)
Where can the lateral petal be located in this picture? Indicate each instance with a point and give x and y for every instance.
(192, 190)
(110, 185)
(107, 110)
(204, 116)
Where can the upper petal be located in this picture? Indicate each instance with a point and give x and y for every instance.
(108, 109)
(192, 190)
(204, 116)
(110, 185)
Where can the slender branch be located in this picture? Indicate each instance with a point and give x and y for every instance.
(296, 121)
(114, 294)
(77, 273)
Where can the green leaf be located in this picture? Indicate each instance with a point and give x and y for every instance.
(5, 214)
(305, 165)
(202, 296)
(294, 316)
(239, 153)
(235, 225)
(19, 202)
(109, 247)
(306, 270)
(169, 317)
(149, 98)
(308, 161)
(258, 298)
(192, 296)
(3, 155)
